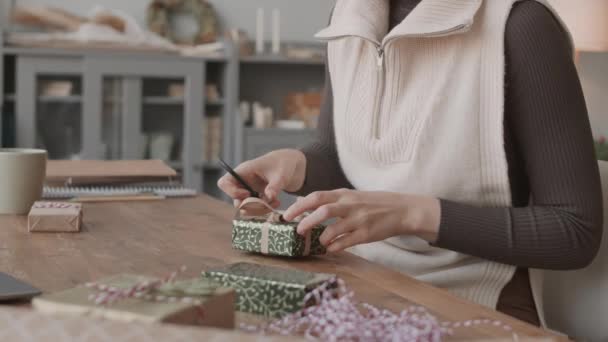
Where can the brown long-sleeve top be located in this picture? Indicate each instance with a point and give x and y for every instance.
(555, 221)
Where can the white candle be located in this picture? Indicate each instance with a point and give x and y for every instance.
(276, 31)
(259, 40)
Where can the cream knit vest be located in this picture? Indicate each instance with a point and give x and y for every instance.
(419, 110)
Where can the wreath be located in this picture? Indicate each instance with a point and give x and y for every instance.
(160, 15)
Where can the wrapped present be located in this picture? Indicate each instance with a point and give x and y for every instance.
(132, 298)
(260, 229)
(55, 217)
(268, 291)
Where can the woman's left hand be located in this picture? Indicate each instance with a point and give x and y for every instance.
(364, 217)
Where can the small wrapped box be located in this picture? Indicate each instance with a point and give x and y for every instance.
(258, 228)
(55, 217)
(132, 298)
(268, 291)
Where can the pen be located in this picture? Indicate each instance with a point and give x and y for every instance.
(231, 171)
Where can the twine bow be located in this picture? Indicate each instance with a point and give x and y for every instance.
(255, 207)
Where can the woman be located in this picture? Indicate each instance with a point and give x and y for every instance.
(457, 136)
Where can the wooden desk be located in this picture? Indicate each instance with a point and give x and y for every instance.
(154, 238)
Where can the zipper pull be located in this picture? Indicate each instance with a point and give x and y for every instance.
(380, 59)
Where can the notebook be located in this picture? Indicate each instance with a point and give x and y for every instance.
(69, 179)
(63, 192)
(107, 171)
(14, 289)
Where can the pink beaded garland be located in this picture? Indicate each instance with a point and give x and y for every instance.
(108, 294)
(54, 205)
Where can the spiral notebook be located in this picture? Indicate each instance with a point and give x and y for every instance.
(55, 192)
(105, 180)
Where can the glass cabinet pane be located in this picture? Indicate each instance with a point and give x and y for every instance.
(163, 120)
(59, 116)
(112, 113)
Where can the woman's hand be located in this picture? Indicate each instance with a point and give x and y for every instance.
(269, 175)
(364, 217)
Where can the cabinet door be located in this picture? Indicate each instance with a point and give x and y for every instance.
(59, 116)
(49, 105)
(113, 103)
(156, 123)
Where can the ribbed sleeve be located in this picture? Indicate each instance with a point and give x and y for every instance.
(551, 160)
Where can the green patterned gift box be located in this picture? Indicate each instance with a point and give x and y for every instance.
(259, 228)
(275, 238)
(265, 290)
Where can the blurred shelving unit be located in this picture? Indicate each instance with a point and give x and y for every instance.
(269, 79)
(124, 105)
(118, 106)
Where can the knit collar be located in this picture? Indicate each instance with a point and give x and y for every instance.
(368, 19)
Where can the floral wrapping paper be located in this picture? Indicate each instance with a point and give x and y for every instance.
(216, 306)
(265, 290)
(283, 238)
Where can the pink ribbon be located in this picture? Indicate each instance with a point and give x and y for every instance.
(54, 205)
(255, 207)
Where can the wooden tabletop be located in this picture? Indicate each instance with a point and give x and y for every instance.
(154, 238)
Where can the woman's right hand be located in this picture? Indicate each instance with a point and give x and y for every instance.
(281, 170)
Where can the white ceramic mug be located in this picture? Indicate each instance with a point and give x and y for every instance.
(22, 173)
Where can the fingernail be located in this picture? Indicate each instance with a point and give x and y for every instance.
(286, 216)
(270, 194)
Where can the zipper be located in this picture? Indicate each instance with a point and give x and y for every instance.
(381, 69)
(379, 98)
(381, 48)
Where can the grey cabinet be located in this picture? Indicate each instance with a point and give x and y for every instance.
(119, 106)
(184, 129)
(119, 100)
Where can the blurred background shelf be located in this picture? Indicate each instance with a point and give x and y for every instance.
(280, 59)
(176, 101)
(60, 99)
(163, 101)
(126, 100)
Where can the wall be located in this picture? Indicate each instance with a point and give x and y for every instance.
(593, 70)
(301, 18)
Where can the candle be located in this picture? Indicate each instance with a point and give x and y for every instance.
(276, 31)
(259, 39)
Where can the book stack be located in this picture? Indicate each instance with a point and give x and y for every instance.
(212, 133)
(117, 180)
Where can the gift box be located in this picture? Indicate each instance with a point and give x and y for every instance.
(258, 228)
(268, 291)
(55, 217)
(132, 298)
